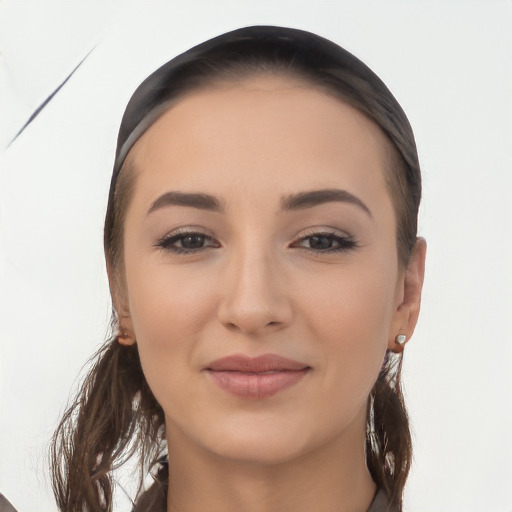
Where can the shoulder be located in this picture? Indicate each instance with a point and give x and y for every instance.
(152, 500)
(155, 498)
(5, 504)
(380, 503)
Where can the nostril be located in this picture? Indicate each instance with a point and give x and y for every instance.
(248, 328)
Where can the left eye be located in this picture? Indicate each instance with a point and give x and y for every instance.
(186, 242)
(326, 242)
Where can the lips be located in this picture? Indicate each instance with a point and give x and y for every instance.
(256, 377)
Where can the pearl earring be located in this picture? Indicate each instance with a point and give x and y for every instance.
(401, 339)
(123, 335)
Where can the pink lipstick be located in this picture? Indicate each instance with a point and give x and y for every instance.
(256, 377)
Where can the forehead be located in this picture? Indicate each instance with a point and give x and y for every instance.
(267, 131)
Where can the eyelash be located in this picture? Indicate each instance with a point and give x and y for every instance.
(345, 242)
(167, 241)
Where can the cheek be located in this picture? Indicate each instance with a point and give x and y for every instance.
(356, 299)
(350, 313)
(164, 304)
(168, 312)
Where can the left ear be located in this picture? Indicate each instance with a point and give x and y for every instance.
(409, 297)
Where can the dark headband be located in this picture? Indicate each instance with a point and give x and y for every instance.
(304, 51)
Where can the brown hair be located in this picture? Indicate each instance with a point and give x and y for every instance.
(115, 414)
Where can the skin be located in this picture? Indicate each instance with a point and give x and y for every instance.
(260, 284)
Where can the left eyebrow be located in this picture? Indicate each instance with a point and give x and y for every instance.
(313, 198)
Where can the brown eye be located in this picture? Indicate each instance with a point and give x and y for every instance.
(321, 243)
(186, 242)
(326, 242)
(194, 241)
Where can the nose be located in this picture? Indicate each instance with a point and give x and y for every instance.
(254, 298)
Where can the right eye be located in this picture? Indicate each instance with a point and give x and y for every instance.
(186, 242)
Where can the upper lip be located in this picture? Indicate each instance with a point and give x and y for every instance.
(260, 364)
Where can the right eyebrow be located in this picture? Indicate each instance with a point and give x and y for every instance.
(192, 200)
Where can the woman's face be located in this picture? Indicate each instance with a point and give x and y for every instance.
(262, 282)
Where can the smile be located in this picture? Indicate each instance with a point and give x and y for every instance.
(256, 378)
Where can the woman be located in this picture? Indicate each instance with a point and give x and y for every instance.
(265, 271)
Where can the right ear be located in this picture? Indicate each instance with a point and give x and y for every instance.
(126, 335)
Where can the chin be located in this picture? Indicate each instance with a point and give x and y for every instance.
(264, 440)
(260, 449)
(244, 437)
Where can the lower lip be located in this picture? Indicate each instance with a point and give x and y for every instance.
(257, 385)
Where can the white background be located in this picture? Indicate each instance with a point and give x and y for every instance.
(450, 65)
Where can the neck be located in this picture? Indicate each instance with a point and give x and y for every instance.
(333, 478)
